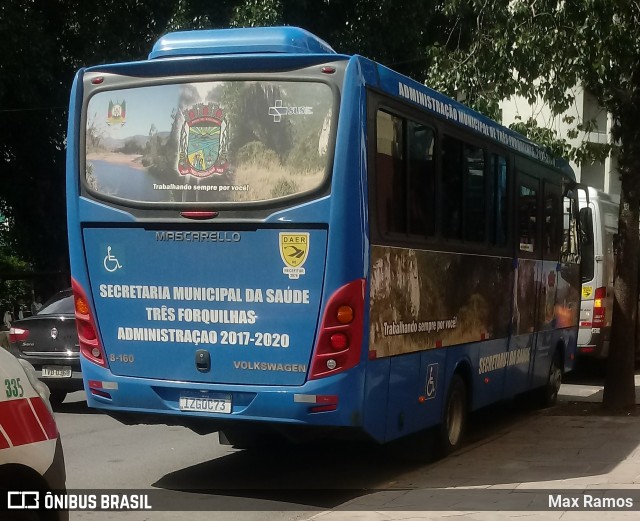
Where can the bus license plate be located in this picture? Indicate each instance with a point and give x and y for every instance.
(219, 404)
(56, 371)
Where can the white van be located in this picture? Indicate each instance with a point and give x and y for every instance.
(599, 222)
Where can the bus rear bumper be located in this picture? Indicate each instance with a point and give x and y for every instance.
(333, 401)
(597, 347)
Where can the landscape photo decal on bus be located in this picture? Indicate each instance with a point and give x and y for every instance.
(209, 142)
(422, 300)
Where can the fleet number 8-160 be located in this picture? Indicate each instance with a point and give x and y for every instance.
(125, 359)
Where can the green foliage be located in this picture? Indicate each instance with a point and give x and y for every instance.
(48, 42)
(92, 181)
(284, 187)
(542, 50)
(131, 146)
(247, 105)
(201, 14)
(543, 136)
(12, 291)
(13, 294)
(95, 134)
(256, 153)
(304, 156)
(252, 13)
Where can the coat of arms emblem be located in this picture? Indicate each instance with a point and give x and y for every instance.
(203, 141)
(116, 113)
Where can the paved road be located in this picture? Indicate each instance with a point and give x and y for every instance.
(102, 454)
(290, 483)
(576, 451)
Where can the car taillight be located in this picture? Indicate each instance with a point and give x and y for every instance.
(599, 308)
(90, 346)
(18, 334)
(340, 336)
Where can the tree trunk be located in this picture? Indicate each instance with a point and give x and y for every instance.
(619, 386)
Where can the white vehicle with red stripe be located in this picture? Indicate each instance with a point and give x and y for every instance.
(31, 457)
(599, 222)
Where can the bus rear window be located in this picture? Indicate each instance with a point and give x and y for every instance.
(208, 142)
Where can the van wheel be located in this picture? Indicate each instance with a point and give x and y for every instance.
(549, 394)
(454, 420)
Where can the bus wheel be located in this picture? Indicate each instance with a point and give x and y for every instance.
(454, 420)
(550, 391)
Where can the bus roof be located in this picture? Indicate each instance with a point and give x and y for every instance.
(246, 40)
(464, 116)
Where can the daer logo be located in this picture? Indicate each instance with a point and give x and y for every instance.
(294, 250)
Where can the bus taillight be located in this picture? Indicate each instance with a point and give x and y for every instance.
(87, 332)
(340, 337)
(599, 309)
(345, 314)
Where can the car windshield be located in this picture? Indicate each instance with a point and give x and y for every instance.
(60, 304)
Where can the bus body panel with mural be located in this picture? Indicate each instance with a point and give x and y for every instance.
(268, 236)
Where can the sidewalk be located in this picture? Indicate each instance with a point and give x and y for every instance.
(570, 451)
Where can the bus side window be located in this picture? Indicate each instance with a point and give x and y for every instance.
(527, 215)
(464, 194)
(452, 188)
(570, 248)
(474, 194)
(499, 209)
(551, 235)
(391, 182)
(421, 190)
(405, 176)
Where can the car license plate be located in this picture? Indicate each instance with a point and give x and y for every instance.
(56, 371)
(220, 404)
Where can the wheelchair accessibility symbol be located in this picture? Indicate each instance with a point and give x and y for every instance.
(432, 381)
(111, 263)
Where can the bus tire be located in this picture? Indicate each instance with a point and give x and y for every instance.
(549, 394)
(454, 417)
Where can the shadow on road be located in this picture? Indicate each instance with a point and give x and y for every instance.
(587, 372)
(75, 403)
(509, 445)
(321, 475)
(325, 475)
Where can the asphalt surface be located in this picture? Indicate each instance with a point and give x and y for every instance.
(516, 458)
